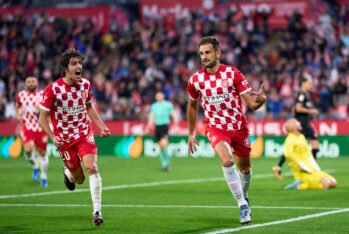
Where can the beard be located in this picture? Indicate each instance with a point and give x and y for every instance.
(31, 88)
(211, 64)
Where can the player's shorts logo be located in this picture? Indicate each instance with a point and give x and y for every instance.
(247, 141)
(91, 139)
(44, 139)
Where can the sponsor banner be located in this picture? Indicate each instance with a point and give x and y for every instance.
(323, 127)
(175, 8)
(146, 146)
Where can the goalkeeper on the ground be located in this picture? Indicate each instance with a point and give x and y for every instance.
(304, 168)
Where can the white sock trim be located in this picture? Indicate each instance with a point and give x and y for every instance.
(96, 192)
(245, 182)
(233, 180)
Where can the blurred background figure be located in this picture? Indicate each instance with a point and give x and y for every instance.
(305, 170)
(160, 115)
(33, 136)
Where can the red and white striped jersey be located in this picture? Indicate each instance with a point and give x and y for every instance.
(219, 95)
(67, 107)
(29, 103)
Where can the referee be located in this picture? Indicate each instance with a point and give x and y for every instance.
(160, 115)
(304, 112)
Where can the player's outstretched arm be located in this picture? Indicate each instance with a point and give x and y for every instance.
(254, 99)
(92, 113)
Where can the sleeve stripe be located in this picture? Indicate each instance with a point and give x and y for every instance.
(44, 108)
(245, 91)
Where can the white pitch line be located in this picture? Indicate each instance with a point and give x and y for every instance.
(300, 218)
(126, 186)
(166, 206)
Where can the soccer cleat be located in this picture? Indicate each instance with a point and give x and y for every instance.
(97, 218)
(68, 184)
(245, 214)
(294, 185)
(44, 183)
(166, 168)
(35, 175)
(277, 172)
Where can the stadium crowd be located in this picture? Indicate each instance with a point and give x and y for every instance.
(161, 54)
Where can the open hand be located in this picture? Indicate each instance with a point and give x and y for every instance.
(192, 144)
(105, 132)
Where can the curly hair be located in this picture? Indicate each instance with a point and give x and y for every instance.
(67, 55)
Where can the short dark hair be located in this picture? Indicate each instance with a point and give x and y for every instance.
(210, 40)
(67, 55)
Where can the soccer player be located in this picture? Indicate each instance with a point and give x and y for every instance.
(33, 137)
(68, 102)
(304, 168)
(304, 111)
(219, 89)
(160, 115)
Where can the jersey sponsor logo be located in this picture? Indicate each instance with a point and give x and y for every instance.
(75, 110)
(217, 99)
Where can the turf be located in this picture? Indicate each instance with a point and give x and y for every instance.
(192, 198)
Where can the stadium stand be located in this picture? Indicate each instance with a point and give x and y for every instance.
(128, 64)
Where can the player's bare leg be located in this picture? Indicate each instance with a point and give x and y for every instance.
(315, 147)
(44, 161)
(70, 178)
(164, 158)
(30, 153)
(233, 180)
(90, 163)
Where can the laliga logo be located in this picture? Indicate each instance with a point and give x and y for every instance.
(129, 147)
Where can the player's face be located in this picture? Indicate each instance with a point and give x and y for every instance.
(74, 70)
(309, 85)
(31, 83)
(298, 125)
(209, 57)
(159, 96)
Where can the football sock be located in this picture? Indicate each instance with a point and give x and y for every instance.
(44, 166)
(96, 191)
(281, 161)
(233, 180)
(69, 175)
(314, 152)
(245, 182)
(165, 160)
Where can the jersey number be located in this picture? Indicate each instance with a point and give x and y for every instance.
(65, 155)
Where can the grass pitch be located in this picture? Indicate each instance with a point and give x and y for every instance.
(192, 198)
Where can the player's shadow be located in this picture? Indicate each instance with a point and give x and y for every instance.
(210, 224)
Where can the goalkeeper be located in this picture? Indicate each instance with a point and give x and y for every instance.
(304, 168)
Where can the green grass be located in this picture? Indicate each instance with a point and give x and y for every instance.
(182, 207)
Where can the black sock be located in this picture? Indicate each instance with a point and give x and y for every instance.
(281, 161)
(314, 152)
